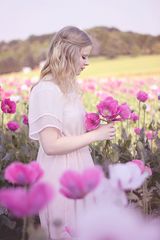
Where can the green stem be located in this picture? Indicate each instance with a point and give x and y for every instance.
(139, 111)
(121, 127)
(2, 121)
(107, 142)
(145, 202)
(102, 119)
(151, 145)
(144, 119)
(24, 230)
(127, 128)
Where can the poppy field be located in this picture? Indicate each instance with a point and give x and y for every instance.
(126, 178)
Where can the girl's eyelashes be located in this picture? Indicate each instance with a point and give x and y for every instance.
(84, 57)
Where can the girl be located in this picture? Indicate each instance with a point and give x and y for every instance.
(56, 120)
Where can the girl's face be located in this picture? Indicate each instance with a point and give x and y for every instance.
(83, 61)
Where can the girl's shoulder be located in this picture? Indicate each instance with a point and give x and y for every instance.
(46, 85)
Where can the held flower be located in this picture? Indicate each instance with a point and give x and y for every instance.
(108, 108)
(92, 121)
(142, 96)
(22, 202)
(22, 174)
(13, 125)
(8, 106)
(112, 111)
(75, 185)
(124, 111)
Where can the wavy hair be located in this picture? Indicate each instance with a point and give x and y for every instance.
(63, 56)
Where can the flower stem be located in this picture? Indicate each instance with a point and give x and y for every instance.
(2, 120)
(127, 128)
(145, 202)
(139, 113)
(24, 230)
(144, 118)
(151, 145)
(102, 119)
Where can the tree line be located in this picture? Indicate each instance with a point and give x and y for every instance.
(108, 42)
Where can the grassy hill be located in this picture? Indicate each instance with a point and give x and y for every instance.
(123, 66)
(107, 42)
(102, 67)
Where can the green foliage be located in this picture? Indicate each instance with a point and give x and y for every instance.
(15, 147)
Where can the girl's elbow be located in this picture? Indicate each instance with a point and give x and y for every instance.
(49, 150)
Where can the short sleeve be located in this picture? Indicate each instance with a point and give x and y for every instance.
(46, 106)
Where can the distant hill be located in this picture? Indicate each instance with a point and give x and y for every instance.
(109, 42)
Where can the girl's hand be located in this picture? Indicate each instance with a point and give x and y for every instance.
(105, 132)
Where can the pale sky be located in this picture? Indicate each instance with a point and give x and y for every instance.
(21, 18)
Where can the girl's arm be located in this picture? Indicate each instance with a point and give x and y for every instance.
(53, 144)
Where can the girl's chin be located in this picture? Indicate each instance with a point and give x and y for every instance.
(78, 72)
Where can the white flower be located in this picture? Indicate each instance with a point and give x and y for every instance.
(24, 87)
(26, 69)
(15, 98)
(127, 176)
(106, 192)
(111, 222)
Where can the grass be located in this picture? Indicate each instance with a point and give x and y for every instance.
(122, 66)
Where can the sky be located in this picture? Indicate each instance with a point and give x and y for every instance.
(20, 19)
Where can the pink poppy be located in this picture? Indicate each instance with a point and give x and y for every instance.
(108, 108)
(124, 111)
(92, 121)
(134, 117)
(8, 106)
(25, 119)
(21, 173)
(22, 202)
(137, 131)
(150, 135)
(77, 185)
(142, 96)
(13, 125)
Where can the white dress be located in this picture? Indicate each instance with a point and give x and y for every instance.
(48, 107)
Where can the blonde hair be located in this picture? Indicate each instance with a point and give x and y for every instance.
(63, 57)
